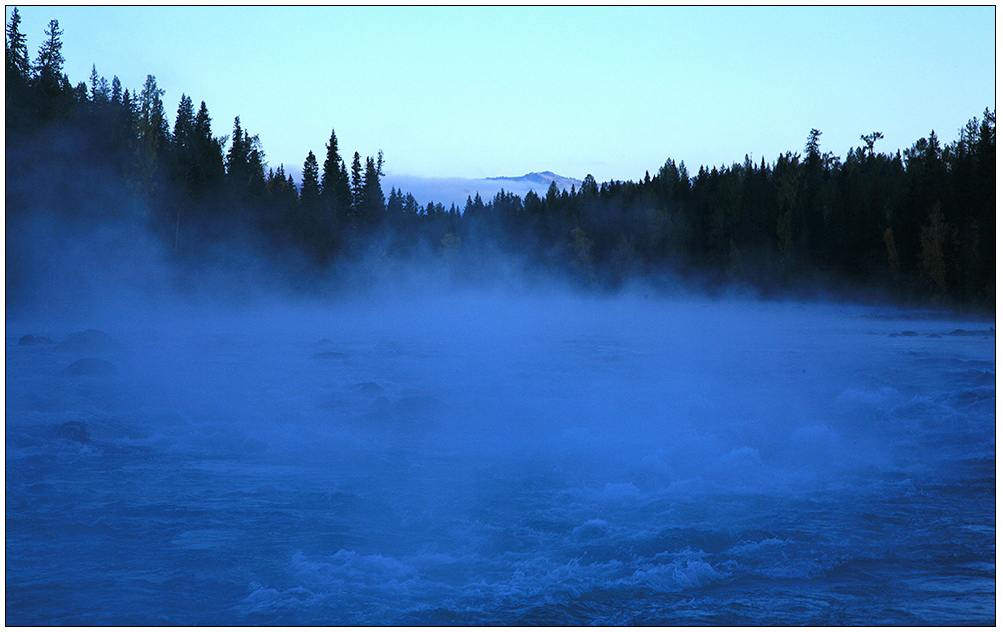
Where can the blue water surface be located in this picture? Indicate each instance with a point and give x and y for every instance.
(484, 461)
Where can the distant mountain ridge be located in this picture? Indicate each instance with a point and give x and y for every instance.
(543, 179)
(456, 190)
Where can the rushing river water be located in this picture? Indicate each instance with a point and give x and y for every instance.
(489, 460)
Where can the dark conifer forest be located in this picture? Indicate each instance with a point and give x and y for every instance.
(913, 225)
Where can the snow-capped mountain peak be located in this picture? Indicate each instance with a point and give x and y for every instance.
(542, 179)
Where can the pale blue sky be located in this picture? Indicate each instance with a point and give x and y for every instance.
(486, 91)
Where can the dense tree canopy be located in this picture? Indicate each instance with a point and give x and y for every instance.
(918, 223)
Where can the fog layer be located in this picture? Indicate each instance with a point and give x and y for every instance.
(501, 457)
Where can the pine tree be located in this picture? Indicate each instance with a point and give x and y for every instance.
(336, 196)
(184, 124)
(411, 206)
(310, 190)
(18, 75)
(151, 123)
(236, 157)
(255, 167)
(356, 183)
(127, 115)
(395, 205)
(344, 194)
(53, 90)
(49, 63)
(332, 164)
(870, 139)
(245, 162)
(202, 126)
(94, 83)
(184, 167)
(207, 153)
(373, 204)
(79, 93)
(16, 50)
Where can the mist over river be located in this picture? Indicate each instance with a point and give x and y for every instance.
(502, 458)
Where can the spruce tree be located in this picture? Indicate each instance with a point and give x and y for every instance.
(16, 50)
(183, 160)
(255, 167)
(53, 90)
(203, 125)
(236, 157)
(373, 205)
(184, 124)
(310, 190)
(344, 193)
(94, 83)
(151, 123)
(49, 62)
(395, 205)
(18, 75)
(127, 114)
(356, 183)
(336, 196)
(207, 152)
(332, 163)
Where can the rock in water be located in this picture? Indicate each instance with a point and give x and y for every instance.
(91, 340)
(74, 431)
(34, 340)
(90, 366)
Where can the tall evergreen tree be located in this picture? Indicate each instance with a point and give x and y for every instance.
(245, 162)
(16, 50)
(255, 167)
(344, 194)
(184, 124)
(55, 95)
(127, 113)
(356, 183)
(336, 196)
(184, 168)
(332, 162)
(100, 89)
(395, 206)
(49, 62)
(236, 157)
(18, 74)
(373, 205)
(208, 150)
(310, 190)
(151, 122)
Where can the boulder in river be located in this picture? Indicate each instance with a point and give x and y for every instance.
(74, 431)
(90, 366)
(34, 340)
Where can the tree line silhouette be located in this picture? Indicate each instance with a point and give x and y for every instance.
(917, 224)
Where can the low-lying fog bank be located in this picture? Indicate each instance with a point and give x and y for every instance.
(500, 457)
